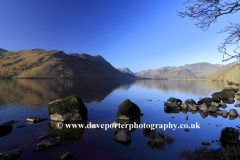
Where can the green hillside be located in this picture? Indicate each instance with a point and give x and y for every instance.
(39, 63)
(227, 74)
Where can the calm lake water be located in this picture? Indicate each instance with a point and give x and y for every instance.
(24, 98)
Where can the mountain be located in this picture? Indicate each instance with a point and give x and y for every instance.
(230, 72)
(125, 70)
(188, 70)
(2, 50)
(39, 63)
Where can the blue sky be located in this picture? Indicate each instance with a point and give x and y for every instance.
(138, 34)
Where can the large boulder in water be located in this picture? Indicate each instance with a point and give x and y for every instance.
(217, 96)
(228, 96)
(174, 100)
(190, 102)
(207, 101)
(230, 89)
(71, 108)
(128, 110)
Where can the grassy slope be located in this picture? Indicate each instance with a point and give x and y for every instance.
(39, 63)
(227, 74)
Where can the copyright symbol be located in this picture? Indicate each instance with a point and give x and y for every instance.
(59, 125)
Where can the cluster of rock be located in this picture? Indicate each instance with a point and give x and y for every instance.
(233, 83)
(205, 105)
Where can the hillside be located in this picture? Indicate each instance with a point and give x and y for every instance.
(188, 70)
(227, 73)
(39, 63)
(125, 70)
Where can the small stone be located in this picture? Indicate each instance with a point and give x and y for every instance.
(149, 100)
(21, 125)
(205, 142)
(115, 125)
(216, 125)
(94, 127)
(172, 117)
(141, 114)
(36, 119)
(186, 130)
(43, 136)
(65, 155)
(133, 101)
(48, 144)
(217, 140)
(186, 117)
(212, 141)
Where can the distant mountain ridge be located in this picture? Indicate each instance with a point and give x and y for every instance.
(125, 70)
(39, 63)
(189, 70)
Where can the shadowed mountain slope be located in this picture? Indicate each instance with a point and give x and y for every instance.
(39, 63)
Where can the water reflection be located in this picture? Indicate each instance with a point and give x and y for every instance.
(70, 135)
(123, 135)
(187, 86)
(30, 92)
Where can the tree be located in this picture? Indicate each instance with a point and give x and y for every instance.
(206, 12)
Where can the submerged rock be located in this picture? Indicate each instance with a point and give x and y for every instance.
(65, 155)
(71, 108)
(123, 137)
(11, 155)
(128, 110)
(222, 112)
(5, 129)
(147, 132)
(204, 114)
(21, 125)
(48, 144)
(71, 133)
(36, 119)
(11, 122)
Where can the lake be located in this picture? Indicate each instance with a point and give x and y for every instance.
(22, 98)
